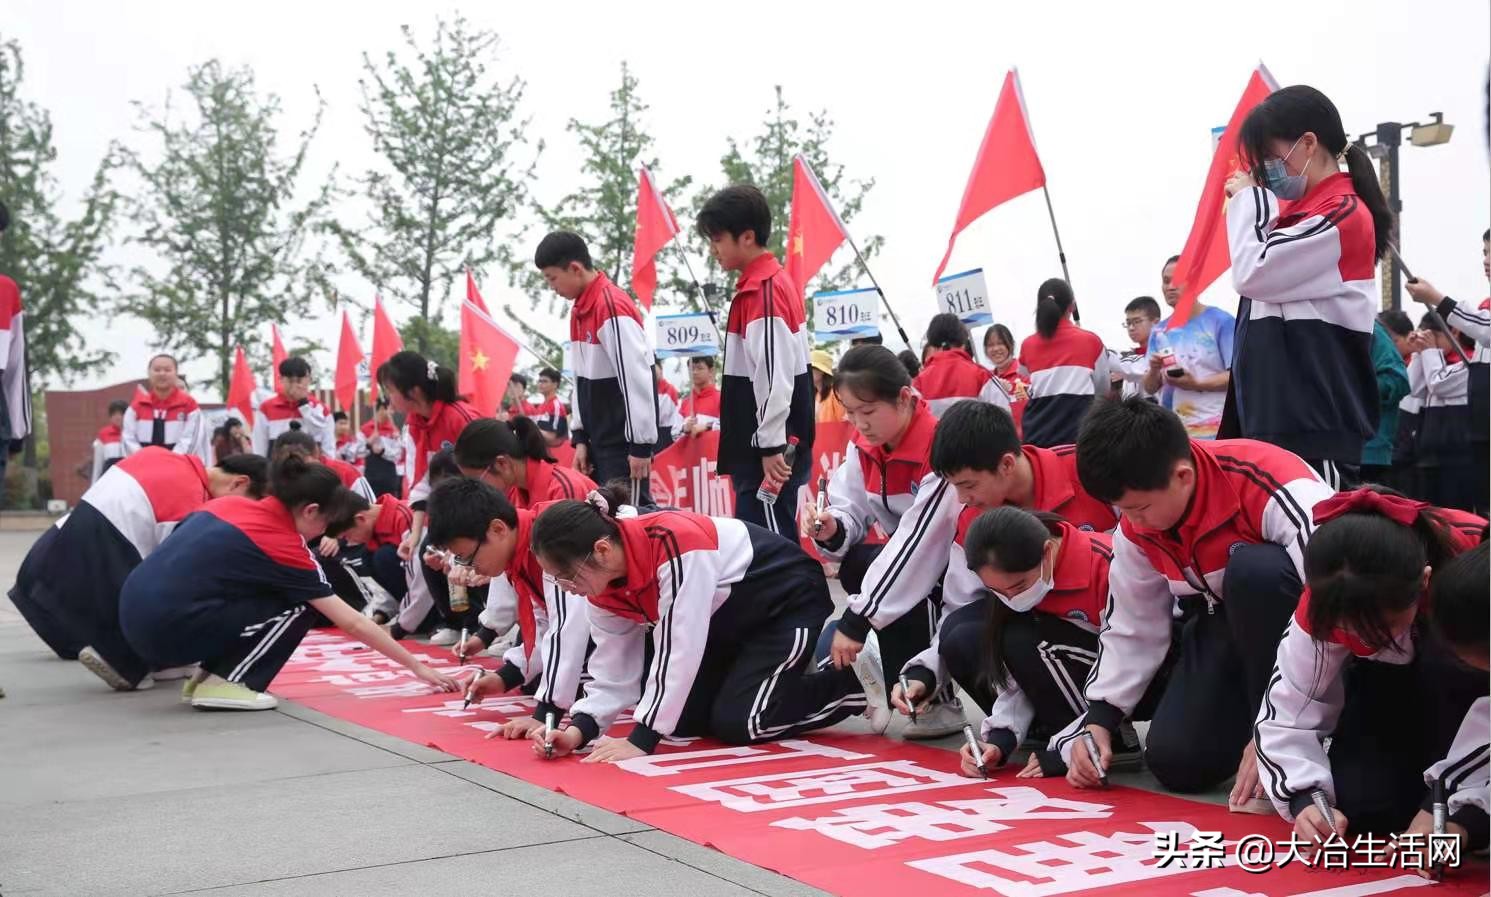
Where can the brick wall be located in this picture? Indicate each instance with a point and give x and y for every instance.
(73, 419)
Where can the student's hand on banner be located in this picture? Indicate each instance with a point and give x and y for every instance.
(613, 750)
(1240, 180)
(1423, 291)
(903, 701)
(775, 469)
(1422, 827)
(437, 679)
(564, 740)
(516, 729)
(328, 547)
(1310, 826)
(1082, 774)
(844, 650)
(486, 684)
(1247, 785)
(967, 767)
(641, 468)
(474, 646)
(1032, 769)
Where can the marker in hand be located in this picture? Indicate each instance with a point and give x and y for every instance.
(549, 735)
(820, 504)
(976, 749)
(1093, 752)
(906, 696)
(1323, 804)
(1441, 820)
(461, 648)
(471, 691)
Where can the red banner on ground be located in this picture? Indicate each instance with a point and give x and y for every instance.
(865, 815)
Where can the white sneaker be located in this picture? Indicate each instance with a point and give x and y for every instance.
(936, 721)
(99, 667)
(872, 679)
(171, 674)
(444, 638)
(503, 642)
(217, 693)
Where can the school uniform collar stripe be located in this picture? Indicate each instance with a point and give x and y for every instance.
(903, 556)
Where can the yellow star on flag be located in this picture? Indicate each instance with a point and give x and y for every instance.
(797, 244)
(478, 361)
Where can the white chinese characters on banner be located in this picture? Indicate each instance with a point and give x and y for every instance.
(672, 764)
(685, 335)
(966, 296)
(845, 314)
(820, 786)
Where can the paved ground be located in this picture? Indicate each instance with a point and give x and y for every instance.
(133, 794)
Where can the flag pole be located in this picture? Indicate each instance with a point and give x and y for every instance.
(881, 293)
(708, 309)
(1061, 253)
(1433, 312)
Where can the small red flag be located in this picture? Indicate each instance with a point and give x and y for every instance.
(656, 226)
(473, 296)
(241, 387)
(277, 354)
(349, 356)
(386, 342)
(1206, 254)
(1007, 165)
(814, 229)
(487, 356)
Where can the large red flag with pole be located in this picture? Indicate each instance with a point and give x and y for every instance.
(386, 342)
(277, 354)
(241, 387)
(1206, 254)
(473, 295)
(656, 226)
(349, 356)
(1006, 166)
(487, 356)
(814, 230)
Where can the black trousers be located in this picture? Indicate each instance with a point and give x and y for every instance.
(1397, 721)
(35, 598)
(780, 516)
(1204, 718)
(614, 464)
(900, 640)
(1450, 485)
(261, 650)
(1337, 475)
(757, 680)
(1048, 657)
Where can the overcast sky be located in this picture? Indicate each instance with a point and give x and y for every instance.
(1121, 102)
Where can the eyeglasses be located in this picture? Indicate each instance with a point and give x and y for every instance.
(568, 581)
(469, 560)
(1134, 323)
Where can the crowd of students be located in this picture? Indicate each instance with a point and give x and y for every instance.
(1074, 539)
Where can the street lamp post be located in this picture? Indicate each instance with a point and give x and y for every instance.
(1384, 148)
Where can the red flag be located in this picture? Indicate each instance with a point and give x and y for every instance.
(386, 341)
(241, 387)
(277, 354)
(814, 230)
(1006, 166)
(487, 356)
(1206, 254)
(655, 227)
(349, 356)
(473, 296)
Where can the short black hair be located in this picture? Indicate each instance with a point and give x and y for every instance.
(1145, 304)
(551, 374)
(735, 210)
(1132, 444)
(560, 248)
(910, 362)
(973, 435)
(706, 360)
(1457, 604)
(463, 509)
(295, 366)
(118, 406)
(1170, 261)
(520, 379)
(338, 416)
(1396, 321)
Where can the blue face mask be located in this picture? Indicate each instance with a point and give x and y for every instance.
(1277, 178)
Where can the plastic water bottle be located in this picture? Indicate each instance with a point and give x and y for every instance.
(769, 491)
(460, 600)
(1163, 349)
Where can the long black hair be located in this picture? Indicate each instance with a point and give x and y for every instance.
(566, 532)
(947, 331)
(246, 464)
(484, 440)
(1010, 540)
(1051, 303)
(298, 481)
(871, 373)
(1286, 114)
(1457, 602)
(406, 370)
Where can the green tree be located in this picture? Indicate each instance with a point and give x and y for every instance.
(454, 172)
(56, 262)
(217, 205)
(766, 161)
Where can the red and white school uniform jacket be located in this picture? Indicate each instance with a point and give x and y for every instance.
(1016, 382)
(108, 450)
(392, 523)
(874, 485)
(428, 435)
(350, 448)
(919, 551)
(1066, 372)
(1247, 493)
(276, 414)
(351, 477)
(549, 482)
(173, 423)
(388, 436)
(704, 404)
(768, 389)
(615, 398)
(1307, 692)
(145, 495)
(1474, 323)
(1306, 275)
(951, 375)
(550, 414)
(15, 388)
(554, 624)
(1466, 773)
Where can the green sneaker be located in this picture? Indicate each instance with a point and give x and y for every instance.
(216, 693)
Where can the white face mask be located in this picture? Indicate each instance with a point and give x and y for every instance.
(1035, 593)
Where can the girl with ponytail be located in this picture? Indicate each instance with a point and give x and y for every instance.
(1068, 367)
(234, 587)
(513, 457)
(732, 608)
(1305, 238)
(1357, 666)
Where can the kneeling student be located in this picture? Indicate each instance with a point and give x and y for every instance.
(1356, 667)
(733, 611)
(513, 456)
(231, 588)
(473, 521)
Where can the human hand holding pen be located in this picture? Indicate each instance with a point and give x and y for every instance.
(559, 743)
(1086, 771)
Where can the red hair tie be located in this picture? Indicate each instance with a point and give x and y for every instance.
(1400, 510)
